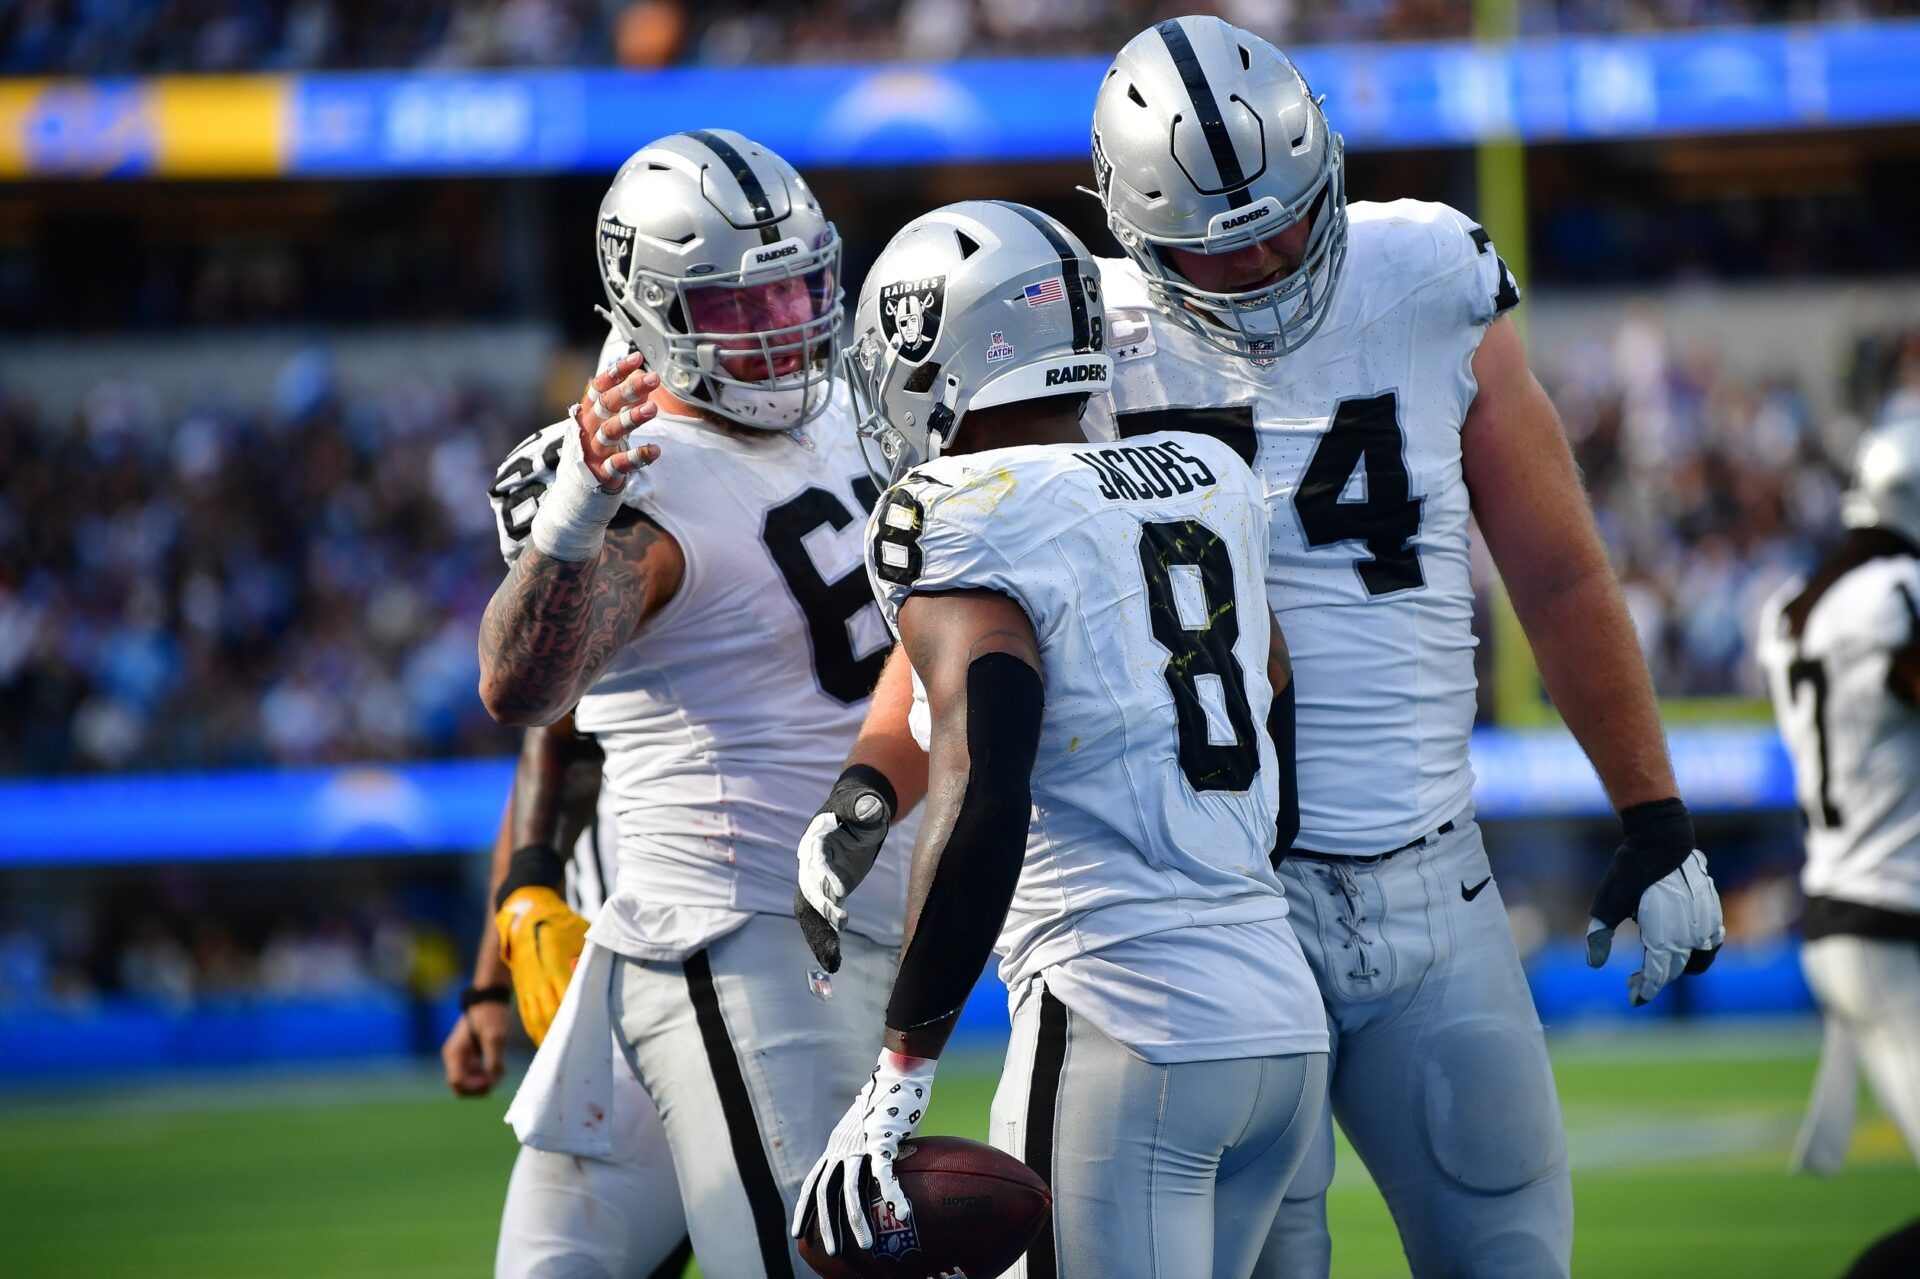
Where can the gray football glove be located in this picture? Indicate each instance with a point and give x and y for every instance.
(1659, 879)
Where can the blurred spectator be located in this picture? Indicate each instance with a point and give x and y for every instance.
(1711, 489)
(102, 37)
(225, 587)
(304, 584)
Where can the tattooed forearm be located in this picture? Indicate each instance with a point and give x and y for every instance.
(552, 626)
(539, 783)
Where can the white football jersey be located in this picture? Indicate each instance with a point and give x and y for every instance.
(727, 719)
(1154, 791)
(1356, 440)
(1855, 745)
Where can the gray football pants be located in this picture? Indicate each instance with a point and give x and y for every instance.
(1439, 1072)
(1869, 993)
(574, 1217)
(1158, 1172)
(750, 1069)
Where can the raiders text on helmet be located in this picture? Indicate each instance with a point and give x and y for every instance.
(1206, 139)
(974, 305)
(711, 210)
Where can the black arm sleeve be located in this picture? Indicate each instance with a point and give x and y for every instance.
(1280, 729)
(974, 880)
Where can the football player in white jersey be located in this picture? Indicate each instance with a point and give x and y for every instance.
(1093, 660)
(1359, 359)
(700, 598)
(1842, 655)
(619, 1215)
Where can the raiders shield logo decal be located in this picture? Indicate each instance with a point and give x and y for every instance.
(616, 253)
(910, 315)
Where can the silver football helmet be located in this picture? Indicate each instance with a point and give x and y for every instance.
(1886, 479)
(1206, 139)
(721, 269)
(971, 306)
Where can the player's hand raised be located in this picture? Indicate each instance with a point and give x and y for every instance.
(616, 403)
(1659, 879)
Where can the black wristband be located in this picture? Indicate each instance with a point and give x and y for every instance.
(866, 777)
(1658, 823)
(533, 866)
(484, 995)
(1658, 838)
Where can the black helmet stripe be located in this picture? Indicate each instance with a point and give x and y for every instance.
(1233, 179)
(749, 181)
(1069, 269)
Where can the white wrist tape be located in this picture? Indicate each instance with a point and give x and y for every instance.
(574, 512)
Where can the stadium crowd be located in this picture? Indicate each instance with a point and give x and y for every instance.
(186, 953)
(303, 583)
(211, 586)
(100, 37)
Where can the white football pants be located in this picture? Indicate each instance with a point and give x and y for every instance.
(751, 1063)
(1869, 991)
(1158, 1172)
(1439, 1071)
(615, 1218)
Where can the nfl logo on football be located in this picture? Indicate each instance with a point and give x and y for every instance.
(892, 1236)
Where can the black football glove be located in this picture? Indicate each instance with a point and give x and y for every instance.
(837, 852)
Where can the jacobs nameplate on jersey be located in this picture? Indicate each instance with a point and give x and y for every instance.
(1138, 472)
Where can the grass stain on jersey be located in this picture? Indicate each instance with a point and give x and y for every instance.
(986, 492)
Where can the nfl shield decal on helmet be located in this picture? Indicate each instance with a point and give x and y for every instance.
(616, 252)
(892, 1237)
(910, 315)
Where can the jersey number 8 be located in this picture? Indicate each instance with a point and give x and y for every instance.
(1218, 748)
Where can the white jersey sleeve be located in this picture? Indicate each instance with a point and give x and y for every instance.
(1854, 742)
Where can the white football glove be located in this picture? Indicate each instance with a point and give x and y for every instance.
(1678, 910)
(887, 1112)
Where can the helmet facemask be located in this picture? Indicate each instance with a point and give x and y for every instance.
(757, 345)
(872, 367)
(1208, 140)
(1260, 324)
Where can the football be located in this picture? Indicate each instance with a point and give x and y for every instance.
(975, 1210)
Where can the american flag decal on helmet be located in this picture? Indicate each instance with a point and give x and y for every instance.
(1046, 291)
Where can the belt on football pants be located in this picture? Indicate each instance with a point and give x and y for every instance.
(1369, 859)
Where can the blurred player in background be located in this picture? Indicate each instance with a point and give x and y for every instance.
(1842, 656)
(700, 598)
(564, 1215)
(1093, 662)
(1360, 359)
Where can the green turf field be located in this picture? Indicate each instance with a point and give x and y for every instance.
(1679, 1145)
